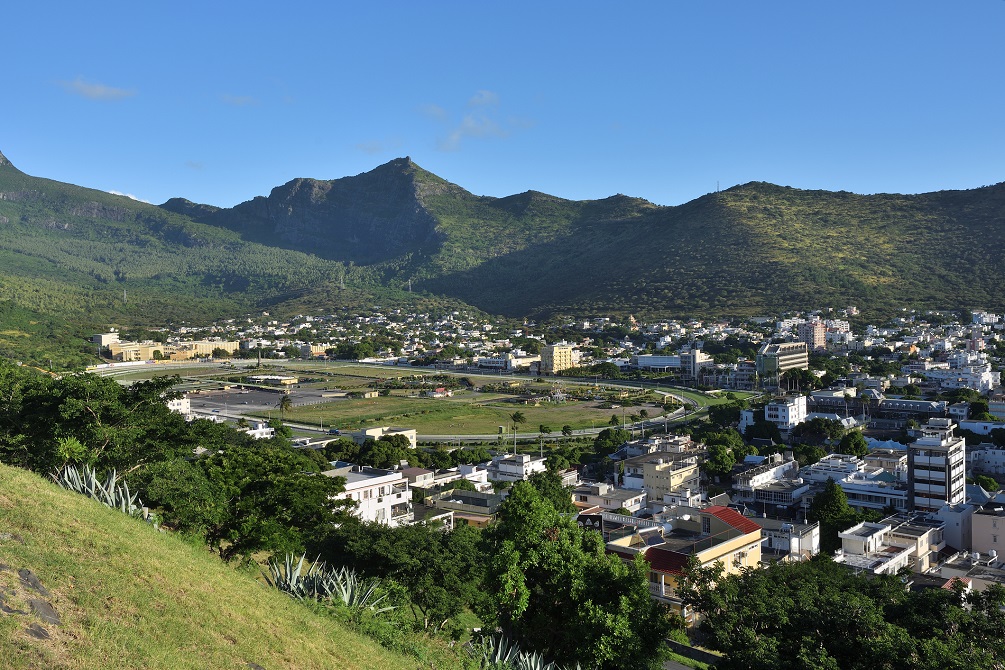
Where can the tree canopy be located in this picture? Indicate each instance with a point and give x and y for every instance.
(545, 569)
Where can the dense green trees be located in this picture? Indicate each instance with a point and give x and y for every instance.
(818, 614)
(551, 587)
(830, 507)
(244, 495)
(441, 571)
(853, 443)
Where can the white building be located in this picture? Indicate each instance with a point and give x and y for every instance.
(987, 459)
(787, 412)
(181, 405)
(515, 467)
(260, 430)
(936, 467)
(382, 496)
(608, 497)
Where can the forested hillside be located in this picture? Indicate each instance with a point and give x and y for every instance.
(399, 233)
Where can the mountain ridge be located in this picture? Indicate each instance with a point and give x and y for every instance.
(751, 248)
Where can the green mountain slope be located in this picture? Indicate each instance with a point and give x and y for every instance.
(76, 251)
(316, 244)
(128, 596)
(752, 248)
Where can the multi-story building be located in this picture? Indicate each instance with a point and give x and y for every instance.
(712, 535)
(380, 495)
(555, 358)
(936, 467)
(787, 412)
(608, 498)
(774, 359)
(989, 531)
(692, 361)
(661, 473)
(987, 459)
(813, 334)
(896, 542)
(515, 467)
(788, 541)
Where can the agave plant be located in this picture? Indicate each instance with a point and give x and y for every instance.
(340, 585)
(500, 653)
(86, 482)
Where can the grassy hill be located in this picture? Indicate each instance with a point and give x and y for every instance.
(131, 597)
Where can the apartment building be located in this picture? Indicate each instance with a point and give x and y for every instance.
(608, 498)
(381, 496)
(936, 467)
(555, 358)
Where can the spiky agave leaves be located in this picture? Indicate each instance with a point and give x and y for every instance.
(108, 492)
(340, 586)
(499, 652)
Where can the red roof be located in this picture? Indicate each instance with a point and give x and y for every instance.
(950, 585)
(666, 560)
(733, 518)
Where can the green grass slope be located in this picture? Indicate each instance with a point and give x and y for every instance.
(131, 597)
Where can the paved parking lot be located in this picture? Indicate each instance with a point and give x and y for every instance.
(250, 401)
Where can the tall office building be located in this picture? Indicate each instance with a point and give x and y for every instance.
(774, 359)
(936, 467)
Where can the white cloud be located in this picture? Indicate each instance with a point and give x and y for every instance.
(481, 120)
(94, 90)
(483, 98)
(130, 196)
(470, 126)
(434, 112)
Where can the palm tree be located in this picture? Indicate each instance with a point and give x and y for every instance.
(516, 418)
(285, 404)
(567, 430)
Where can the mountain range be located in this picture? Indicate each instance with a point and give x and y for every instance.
(400, 233)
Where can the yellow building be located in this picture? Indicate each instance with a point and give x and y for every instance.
(668, 473)
(555, 358)
(134, 351)
(713, 535)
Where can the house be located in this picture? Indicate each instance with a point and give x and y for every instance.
(260, 430)
(471, 508)
(381, 496)
(181, 405)
(713, 535)
(661, 473)
(361, 436)
(607, 497)
(896, 542)
(515, 467)
(787, 540)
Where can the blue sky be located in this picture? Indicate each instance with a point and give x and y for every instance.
(219, 102)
